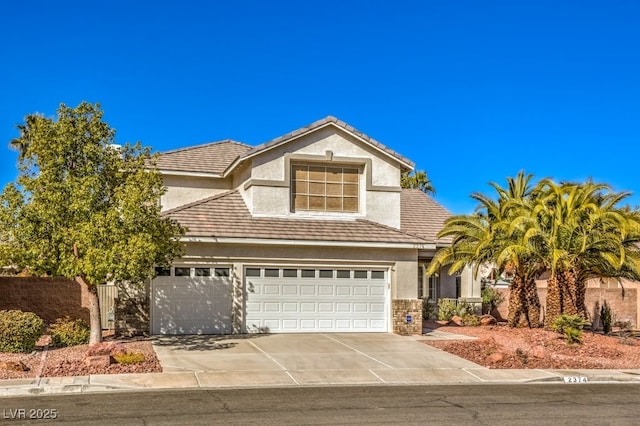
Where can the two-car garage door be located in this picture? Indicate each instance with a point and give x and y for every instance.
(199, 300)
(289, 300)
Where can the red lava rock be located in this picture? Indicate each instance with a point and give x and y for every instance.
(538, 352)
(539, 348)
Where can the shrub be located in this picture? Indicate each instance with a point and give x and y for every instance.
(19, 331)
(428, 310)
(470, 320)
(570, 326)
(446, 309)
(606, 317)
(491, 299)
(128, 357)
(69, 332)
(464, 308)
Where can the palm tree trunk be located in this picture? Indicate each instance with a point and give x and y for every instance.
(517, 303)
(532, 303)
(569, 293)
(554, 301)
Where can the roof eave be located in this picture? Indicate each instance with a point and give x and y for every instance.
(170, 172)
(309, 243)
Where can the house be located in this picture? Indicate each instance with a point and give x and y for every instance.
(309, 232)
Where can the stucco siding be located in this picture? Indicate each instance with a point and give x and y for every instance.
(187, 189)
(327, 145)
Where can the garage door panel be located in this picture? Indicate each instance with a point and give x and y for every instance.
(308, 307)
(306, 304)
(191, 305)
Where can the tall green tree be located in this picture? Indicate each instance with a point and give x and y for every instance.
(84, 208)
(489, 237)
(417, 180)
(583, 234)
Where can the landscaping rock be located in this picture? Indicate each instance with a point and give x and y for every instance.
(457, 321)
(487, 320)
(98, 361)
(495, 357)
(13, 366)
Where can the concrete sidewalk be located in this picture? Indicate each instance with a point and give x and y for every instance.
(319, 360)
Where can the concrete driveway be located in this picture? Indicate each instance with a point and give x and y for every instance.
(311, 359)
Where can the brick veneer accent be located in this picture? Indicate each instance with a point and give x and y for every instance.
(403, 307)
(49, 298)
(132, 316)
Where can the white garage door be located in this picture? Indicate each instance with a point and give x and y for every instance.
(283, 300)
(188, 300)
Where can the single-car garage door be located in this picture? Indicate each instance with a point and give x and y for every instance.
(191, 300)
(290, 300)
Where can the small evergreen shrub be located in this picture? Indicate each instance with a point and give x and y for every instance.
(570, 326)
(69, 332)
(19, 331)
(446, 309)
(491, 299)
(128, 357)
(470, 320)
(606, 317)
(464, 308)
(428, 310)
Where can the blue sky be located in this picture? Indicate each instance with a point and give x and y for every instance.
(472, 91)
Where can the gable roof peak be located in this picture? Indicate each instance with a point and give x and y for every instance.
(408, 164)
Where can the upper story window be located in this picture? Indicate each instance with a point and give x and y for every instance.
(325, 188)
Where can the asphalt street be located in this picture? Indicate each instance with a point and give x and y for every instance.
(557, 404)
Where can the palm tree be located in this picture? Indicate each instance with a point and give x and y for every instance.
(488, 236)
(419, 180)
(582, 234)
(22, 142)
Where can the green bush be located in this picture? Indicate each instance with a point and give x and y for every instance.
(128, 357)
(428, 310)
(464, 309)
(606, 317)
(491, 299)
(69, 332)
(446, 309)
(19, 331)
(470, 320)
(571, 326)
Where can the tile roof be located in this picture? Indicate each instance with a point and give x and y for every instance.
(226, 216)
(329, 119)
(422, 216)
(211, 158)
(216, 157)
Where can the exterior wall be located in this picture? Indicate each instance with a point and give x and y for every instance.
(404, 308)
(624, 304)
(401, 264)
(447, 284)
(187, 189)
(49, 298)
(380, 205)
(471, 287)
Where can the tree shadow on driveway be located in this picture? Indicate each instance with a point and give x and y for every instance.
(202, 342)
